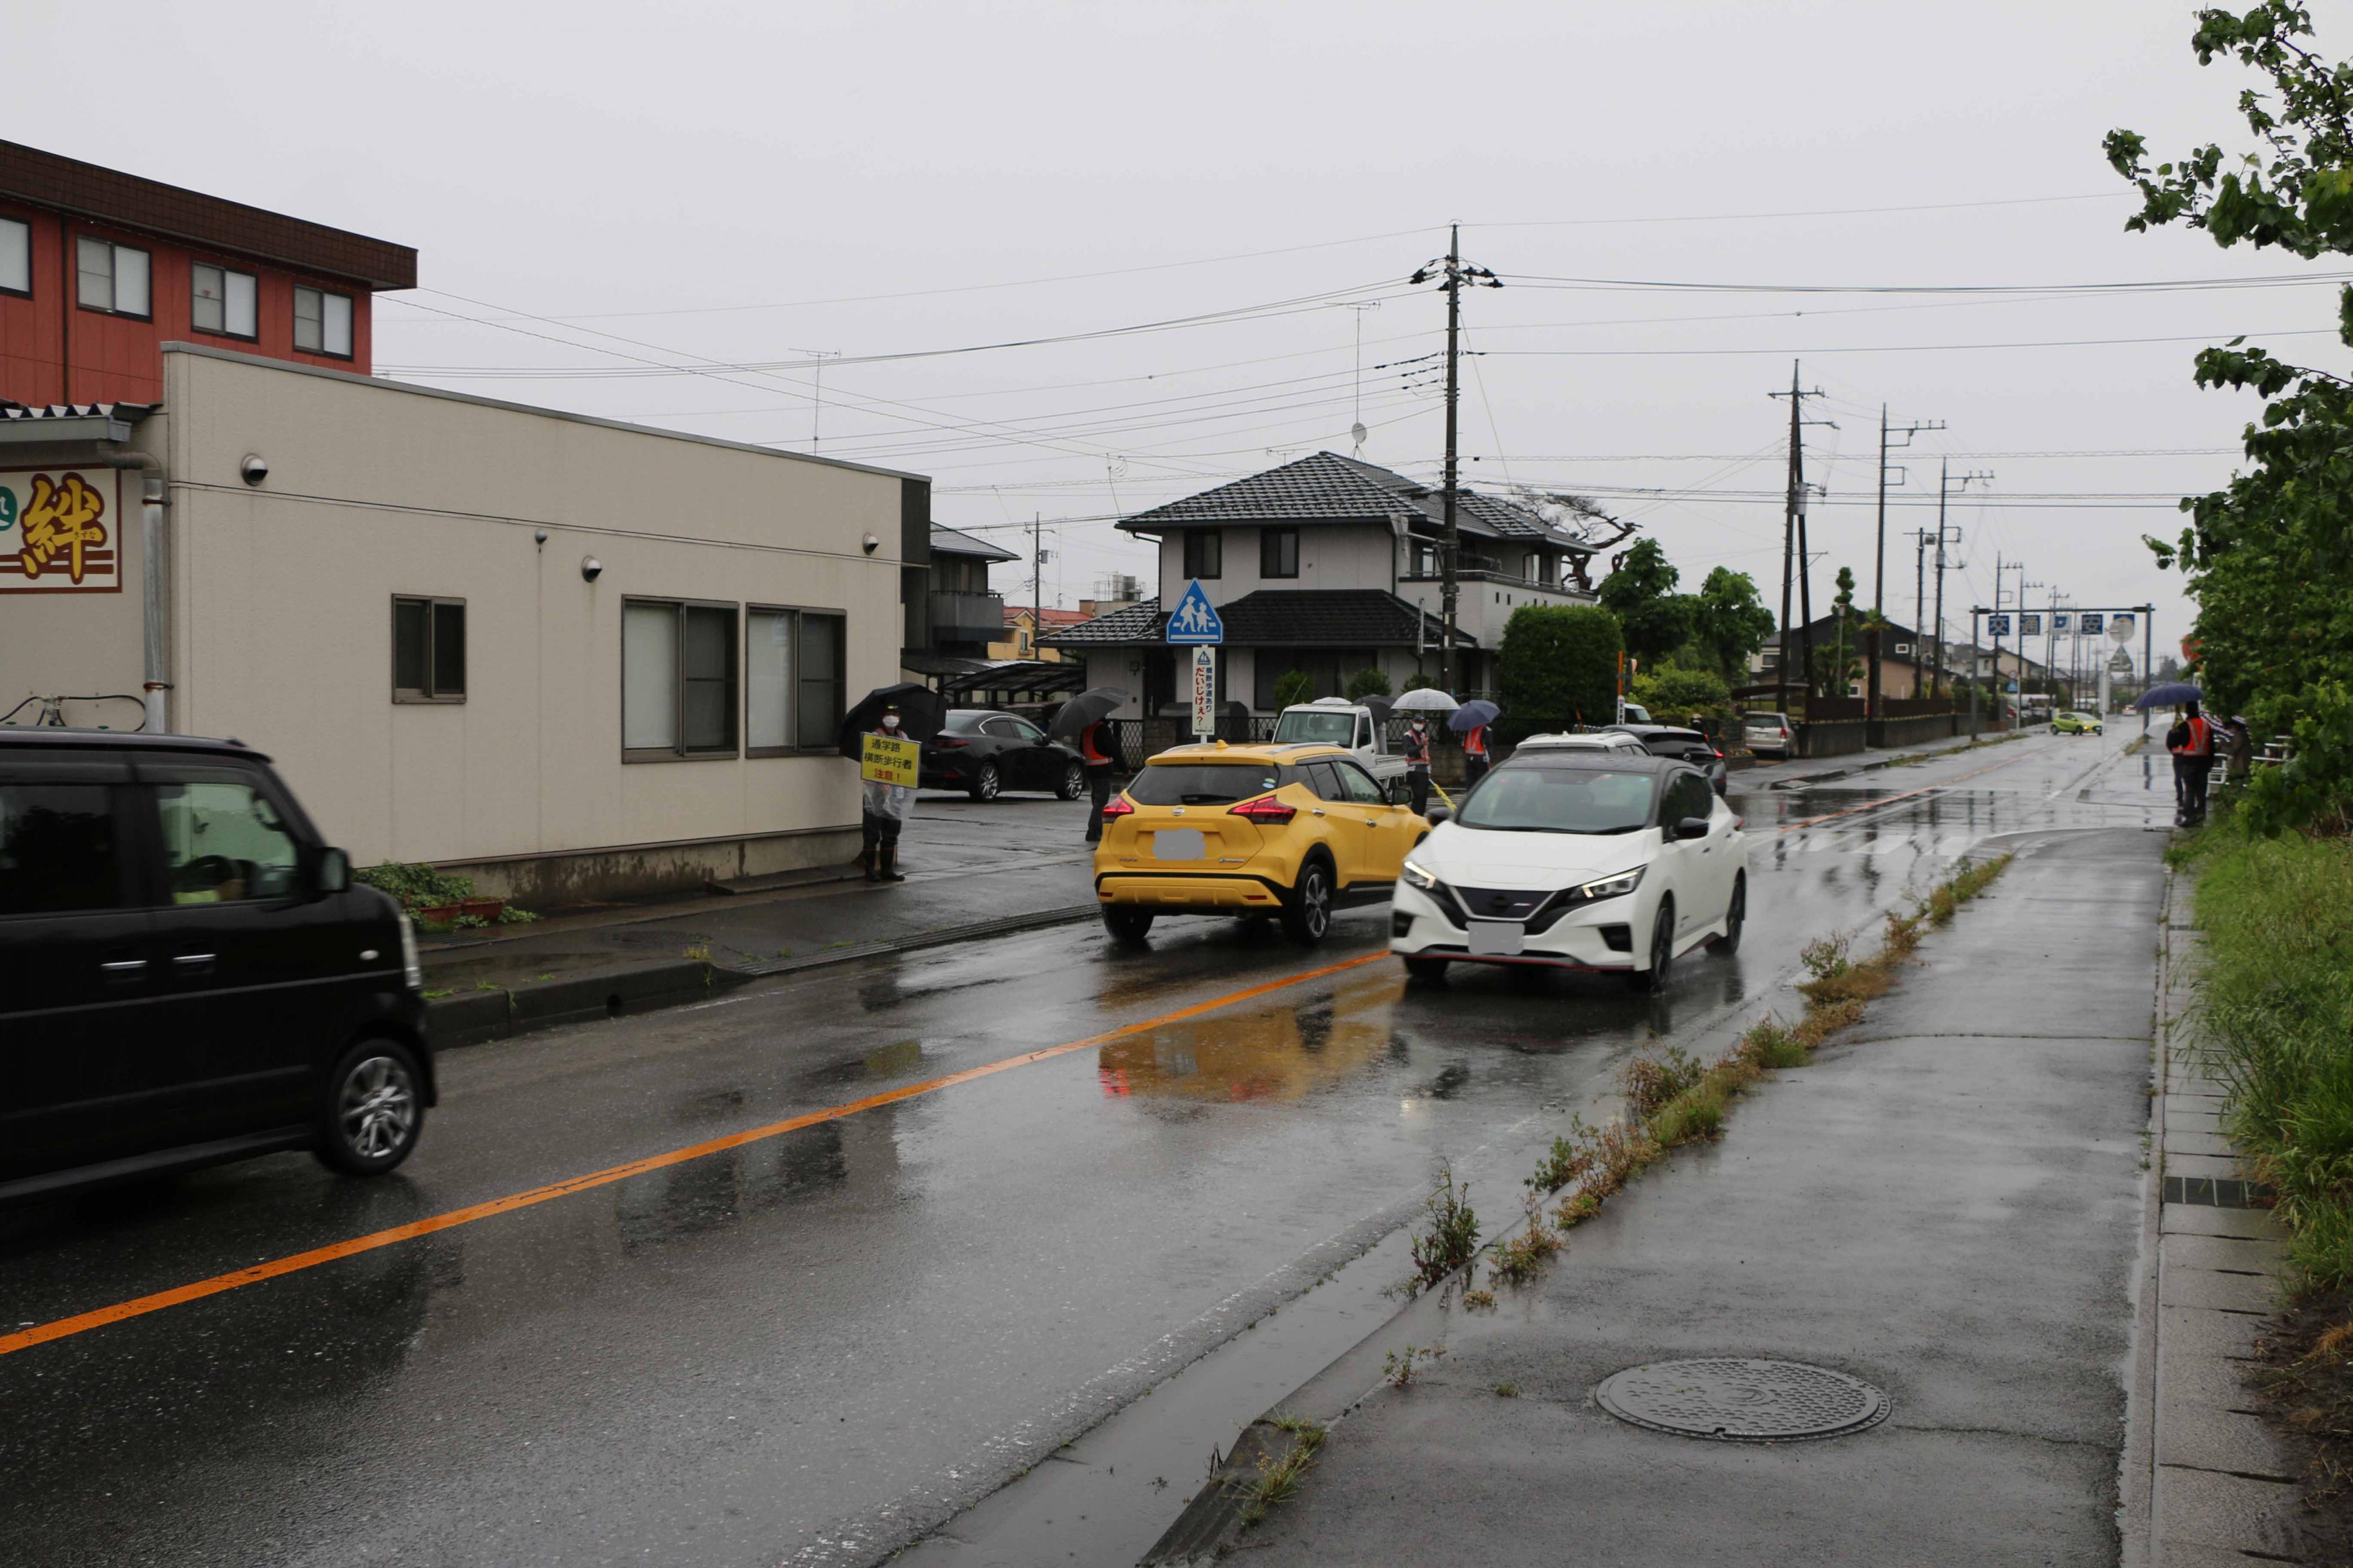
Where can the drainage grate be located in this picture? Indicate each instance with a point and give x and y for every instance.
(1742, 1401)
(2217, 1191)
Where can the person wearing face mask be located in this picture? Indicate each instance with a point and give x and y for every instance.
(882, 812)
(1417, 764)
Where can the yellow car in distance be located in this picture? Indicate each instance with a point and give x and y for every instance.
(1291, 831)
(2076, 724)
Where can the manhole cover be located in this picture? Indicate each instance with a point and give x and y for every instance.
(1742, 1401)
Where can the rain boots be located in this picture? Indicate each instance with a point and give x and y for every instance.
(888, 861)
(870, 860)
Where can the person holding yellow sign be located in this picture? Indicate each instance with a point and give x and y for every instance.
(888, 766)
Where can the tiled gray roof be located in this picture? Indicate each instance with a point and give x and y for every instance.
(1328, 488)
(1280, 618)
(1320, 488)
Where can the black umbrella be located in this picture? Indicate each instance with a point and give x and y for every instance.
(922, 712)
(1084, 709)
(2172, 694)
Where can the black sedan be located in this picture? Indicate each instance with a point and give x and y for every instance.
(984, 753)
(1683, 745)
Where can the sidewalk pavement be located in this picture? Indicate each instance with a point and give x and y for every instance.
(1946, 1204)
(971, 868)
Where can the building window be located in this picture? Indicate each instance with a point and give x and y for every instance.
(1205, 553)
(678, 679)
(322, 322)
(1277, 552)
(113, 277)
(428, 650)
(222, 301)
(792, 682)
(15, 257)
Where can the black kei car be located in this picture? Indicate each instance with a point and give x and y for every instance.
(1683, 745)
(188, 973)
(982, 751)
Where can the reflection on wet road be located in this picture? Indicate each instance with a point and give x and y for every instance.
(809, 1345)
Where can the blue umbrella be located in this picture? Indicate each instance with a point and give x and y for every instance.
(2172, 694)
(1471, 715)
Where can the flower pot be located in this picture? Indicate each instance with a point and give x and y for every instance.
(482, 908)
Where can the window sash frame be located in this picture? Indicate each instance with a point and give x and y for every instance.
(430, 693)
(114, 249)
(26, 225)
(1205, 548)
(224, 330)
(351, 323)
(795, 616)
(676, 751)
(1271, 542)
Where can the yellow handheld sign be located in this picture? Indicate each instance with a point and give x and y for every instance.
(886, 760)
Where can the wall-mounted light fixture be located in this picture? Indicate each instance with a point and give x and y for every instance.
(590, 568)
(254, 470)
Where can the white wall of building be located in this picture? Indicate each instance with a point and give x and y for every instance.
(1331, 555)
(281, 619)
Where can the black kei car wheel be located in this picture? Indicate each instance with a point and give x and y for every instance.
(371, 1109)
(1307, 914)
(1074, 783)
(1126, 923)
(986, 782)
(1662, 951)
(1735, 917)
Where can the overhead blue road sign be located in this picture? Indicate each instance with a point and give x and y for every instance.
(2094, 623)
(2030, 626)
(2059, 621)
(1998, 626)
(1195, 619)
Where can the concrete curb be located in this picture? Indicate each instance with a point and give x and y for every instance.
(613, 991)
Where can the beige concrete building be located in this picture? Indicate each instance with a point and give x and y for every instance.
(567, 656)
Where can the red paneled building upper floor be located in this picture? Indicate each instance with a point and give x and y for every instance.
(99, 270)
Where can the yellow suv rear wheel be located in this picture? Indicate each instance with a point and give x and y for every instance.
(1126, 923)
(1307, 913)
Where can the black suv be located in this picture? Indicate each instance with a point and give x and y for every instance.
(188, 974)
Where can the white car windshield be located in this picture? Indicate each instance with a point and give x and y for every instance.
(1560, 800)
(1323, 729)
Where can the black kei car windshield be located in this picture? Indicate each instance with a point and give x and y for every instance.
(1202, 784)
(1560, 800)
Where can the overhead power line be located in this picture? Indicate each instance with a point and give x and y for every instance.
(2153, 286)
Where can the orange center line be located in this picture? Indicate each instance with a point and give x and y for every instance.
(82, 1323)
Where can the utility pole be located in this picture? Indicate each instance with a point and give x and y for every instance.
(1793, 547)
(1879, 576)
(1920, 537)
(1037, 576)
(817, 406)
(1454, 275)
(1946, 536)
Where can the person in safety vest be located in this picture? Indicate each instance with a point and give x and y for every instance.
(2191, 741)
(1417, 764)
(883, 811)
(1475, 755)
(1099, 748)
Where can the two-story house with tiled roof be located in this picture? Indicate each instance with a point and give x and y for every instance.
(1330, 566)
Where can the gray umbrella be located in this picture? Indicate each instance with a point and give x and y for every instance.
(1084, 709)
(1425, 700)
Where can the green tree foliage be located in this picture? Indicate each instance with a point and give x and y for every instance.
(1558, 668)
(1640, 592)
(2267, 558)
(1674, 692)
(1368, 683)
(1295, 687)
(1838, 665)
(1417, 681)
(1728, 622)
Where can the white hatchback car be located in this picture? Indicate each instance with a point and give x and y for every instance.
(1576, 859)
(1617, 740)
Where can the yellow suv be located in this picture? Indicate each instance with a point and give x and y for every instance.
(1215, 829)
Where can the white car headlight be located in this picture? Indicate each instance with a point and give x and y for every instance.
(1415, 877)
(1624, 882)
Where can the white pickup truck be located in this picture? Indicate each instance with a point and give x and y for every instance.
(1336, 722)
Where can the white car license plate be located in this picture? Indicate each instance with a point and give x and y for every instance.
(1495, 939)
(1178, 844)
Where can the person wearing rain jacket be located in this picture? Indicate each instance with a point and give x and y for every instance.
(1474, 754)
(2191, 741)
(883, 811)
(1099, 748)
(1417, 764)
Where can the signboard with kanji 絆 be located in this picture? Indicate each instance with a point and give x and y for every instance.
(886, 760)
(59, 532)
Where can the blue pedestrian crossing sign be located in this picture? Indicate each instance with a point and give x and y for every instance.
(1998, 626)
(1195, 619)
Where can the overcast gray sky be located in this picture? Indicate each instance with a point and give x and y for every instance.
(742, 184)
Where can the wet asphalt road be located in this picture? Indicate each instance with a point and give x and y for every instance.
(814, 1346)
